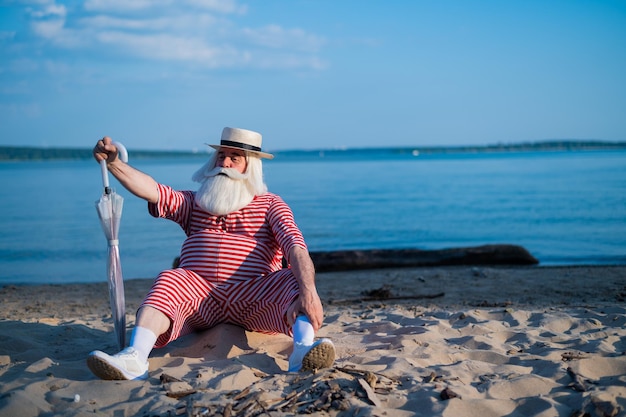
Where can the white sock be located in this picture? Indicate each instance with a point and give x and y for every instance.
(303, 331)
(143, 340)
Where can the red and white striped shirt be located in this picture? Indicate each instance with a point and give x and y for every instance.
(240, 245)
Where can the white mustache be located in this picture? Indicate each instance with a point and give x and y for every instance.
(231, 173)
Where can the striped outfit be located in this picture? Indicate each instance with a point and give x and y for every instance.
(230, 267)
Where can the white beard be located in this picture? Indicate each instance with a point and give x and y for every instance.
(224, 191)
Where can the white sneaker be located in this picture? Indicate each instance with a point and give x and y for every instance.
(319, 355)
(122, 365)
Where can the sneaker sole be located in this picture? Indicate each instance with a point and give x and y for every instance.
(104, 370)
(321, 356)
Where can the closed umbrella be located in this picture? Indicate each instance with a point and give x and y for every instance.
(109, 209)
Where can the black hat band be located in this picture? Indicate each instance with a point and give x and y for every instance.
(240, 145)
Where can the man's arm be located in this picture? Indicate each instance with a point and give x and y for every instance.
(135, 181)
(309, 302)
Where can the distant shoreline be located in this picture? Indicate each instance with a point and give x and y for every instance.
(28, 153)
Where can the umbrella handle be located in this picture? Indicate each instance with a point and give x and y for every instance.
(105, 176)
(123, 155)
(122, 152)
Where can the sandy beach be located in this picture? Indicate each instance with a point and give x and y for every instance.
(437, 341)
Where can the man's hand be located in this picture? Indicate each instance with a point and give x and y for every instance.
(105, 150)
(311, 306)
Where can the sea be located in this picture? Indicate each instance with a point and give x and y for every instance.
(564, 207)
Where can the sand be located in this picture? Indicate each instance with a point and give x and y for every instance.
(445, 341)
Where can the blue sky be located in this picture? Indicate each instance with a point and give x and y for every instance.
(170, 74)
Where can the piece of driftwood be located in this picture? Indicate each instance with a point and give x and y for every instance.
(347, 260)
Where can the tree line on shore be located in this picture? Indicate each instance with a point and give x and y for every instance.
(27, 153)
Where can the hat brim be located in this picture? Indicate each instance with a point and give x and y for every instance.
(256, 153)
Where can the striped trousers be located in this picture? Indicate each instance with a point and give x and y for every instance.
(195, 303)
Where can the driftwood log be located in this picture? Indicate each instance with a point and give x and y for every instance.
(347, 260)
(350, 260)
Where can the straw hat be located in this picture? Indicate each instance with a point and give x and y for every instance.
(242, 139)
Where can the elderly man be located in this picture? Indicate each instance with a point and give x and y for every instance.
(231, 263)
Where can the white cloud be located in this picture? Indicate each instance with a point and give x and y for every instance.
(48, 20)
(163, 47)
(221, 6)
(123, 5)
(48, 10)
(32, 2)
(49, 29)
(112, 22)
(161, 24)
(182, 32)
(274, 36)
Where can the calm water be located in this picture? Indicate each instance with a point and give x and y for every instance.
(564, 207)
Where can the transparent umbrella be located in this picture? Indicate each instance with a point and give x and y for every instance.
(109, 209)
